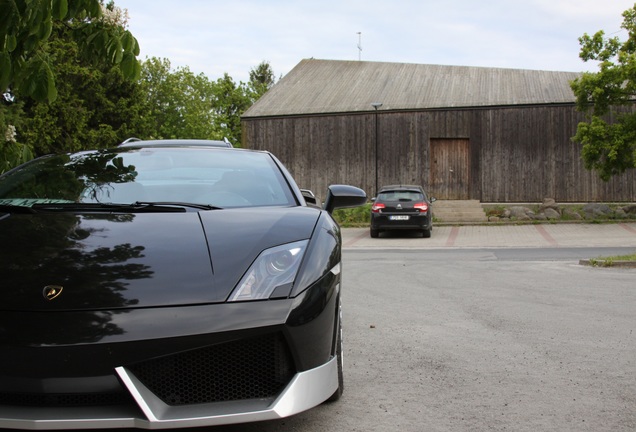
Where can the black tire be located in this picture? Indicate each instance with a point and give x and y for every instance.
(374, 233)
(426, 233)
(339, 355)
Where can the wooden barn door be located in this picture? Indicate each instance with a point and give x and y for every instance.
(450, 169)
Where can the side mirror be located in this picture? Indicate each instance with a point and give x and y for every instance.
(342, 196)
(433, 199)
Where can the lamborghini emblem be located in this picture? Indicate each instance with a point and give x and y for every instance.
(51, 292)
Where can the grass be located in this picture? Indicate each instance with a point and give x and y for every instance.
(609, 261)
(353, 217)
(497, 211)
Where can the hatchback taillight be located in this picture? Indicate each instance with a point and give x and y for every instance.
(376, 207)
(422, 207)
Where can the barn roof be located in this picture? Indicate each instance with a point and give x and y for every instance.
(334, 86)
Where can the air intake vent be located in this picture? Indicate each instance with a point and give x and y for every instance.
(245, 369)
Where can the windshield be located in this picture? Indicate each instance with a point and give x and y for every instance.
(216, 177)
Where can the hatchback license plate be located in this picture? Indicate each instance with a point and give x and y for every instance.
(398, 218)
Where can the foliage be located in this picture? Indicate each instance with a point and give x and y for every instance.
(609, 135)
(612, 261)
(178, 103)
(231, 101)
(26, 27)
(495, 211)
(261, 80)
(67, 67)
(96, 106)
(12, 152)
(353, 217)
(181, 104)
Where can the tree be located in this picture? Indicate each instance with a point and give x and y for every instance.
(607, 97)
(12, 152)
(25, 29)
(96, 106)
(230, 102)
(179, 104)
(261, 80)
(184, 105)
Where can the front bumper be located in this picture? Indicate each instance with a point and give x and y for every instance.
(40, 374)
(416, 221)
(305, 390)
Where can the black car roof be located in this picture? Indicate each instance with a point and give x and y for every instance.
(137, 143)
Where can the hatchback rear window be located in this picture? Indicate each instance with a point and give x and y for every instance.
(400, 196)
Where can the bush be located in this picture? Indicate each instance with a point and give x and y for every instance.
(353, 217)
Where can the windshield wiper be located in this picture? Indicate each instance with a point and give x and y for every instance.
(136, 207)
(175, 204)
(7, 208)
(90, 207)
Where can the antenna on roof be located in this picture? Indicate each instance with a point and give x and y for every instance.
(359, 46)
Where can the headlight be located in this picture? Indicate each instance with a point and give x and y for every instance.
(273, 267)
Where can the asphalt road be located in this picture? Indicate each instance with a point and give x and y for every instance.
(484, 329)
(469, 340)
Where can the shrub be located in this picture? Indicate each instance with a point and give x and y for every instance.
(353, 217)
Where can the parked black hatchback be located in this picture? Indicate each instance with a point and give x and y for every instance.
(402, 207)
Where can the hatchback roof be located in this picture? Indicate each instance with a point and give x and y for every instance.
(401, 187)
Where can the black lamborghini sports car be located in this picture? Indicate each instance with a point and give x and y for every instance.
(166, 284)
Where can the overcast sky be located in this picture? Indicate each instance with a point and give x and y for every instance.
(234, 36)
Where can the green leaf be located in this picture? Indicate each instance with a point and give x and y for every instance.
(98, 41)
(45, 30)
(116, 51)
(11, 43)
(39, 82)
(93, 7)
(113, 49)
(135, 50)
(130, 66)
(51, 93)
(128, 41)
(5, 71)
(60, 9)
(31, 43)
(9, 18)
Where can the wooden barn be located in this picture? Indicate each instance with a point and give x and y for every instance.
(487, 134)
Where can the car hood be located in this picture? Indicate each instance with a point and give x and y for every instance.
(119, 261)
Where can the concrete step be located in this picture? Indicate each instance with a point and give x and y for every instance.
(458, 211)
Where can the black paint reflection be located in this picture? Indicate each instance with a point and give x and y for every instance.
(63, 249)
(87, 176)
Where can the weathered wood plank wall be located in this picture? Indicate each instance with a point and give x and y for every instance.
(515, 154)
